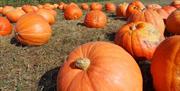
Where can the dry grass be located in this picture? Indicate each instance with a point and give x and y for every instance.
(24, 68)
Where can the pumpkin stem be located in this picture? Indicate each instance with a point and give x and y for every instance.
(133, 27)
(82, 63)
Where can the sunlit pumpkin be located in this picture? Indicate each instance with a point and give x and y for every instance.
(5, 27)
(95, 6)
(140, 39)
(48, 6)
(110, 7)
(40, 6)
(56, 6)
(154, 6)
(32, 29)
(95, 19)
(61, 5)
(165, 66)
(35, 8)
(7, 9)
(72, 12)
(28, 8)
(15, 14)
(121, 9)
(84, 6)
(99, 66)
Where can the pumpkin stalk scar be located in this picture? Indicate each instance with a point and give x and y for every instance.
(133, 27)
(82, 63)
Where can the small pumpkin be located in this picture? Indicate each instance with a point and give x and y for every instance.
(110, 7)
(95, 6)
(84, 6)
(173, 22)
(95, 19)
(15, 14)
(7, 9)
(134, 7)
(56, 6)
(46, 15)
(154, 6)
(40, 6)
(28, 8)
(150, 16)
(5, 26)
(176, 3)
(140, 39)
(165, 65)
(32, 29)
(72, 12)
(48, 6)
(93, 67)
(61, 5)
(35, 8)
(121, 9)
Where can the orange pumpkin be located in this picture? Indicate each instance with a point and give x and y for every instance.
(15, 14)
(7, 9)
(95, 6)
(169, 9)
(176, 3)
(73, 4)
(165, 65)
(140, 39)
(53, 12)
(134, 7)
(40, 6)
(32, 29)
(28, 8)
(154, 6)
(121, 9)
(72, 12)
(84, 6)
(150, 16)
(173, 22)
(1, 10)
(56, 6)
(48, 6)
(5, 27)
(93, 67)
(35, 8)
(46, 15)
(110, 7)
(61, 5)
(95, 19)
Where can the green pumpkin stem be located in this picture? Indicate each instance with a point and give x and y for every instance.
(82, 63)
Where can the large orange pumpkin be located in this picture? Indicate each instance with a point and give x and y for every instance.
(15, 14)
(95, 19)
(32, 29)
(95, 6)
(165, 66)
(7, 9)
(84, 6)
(99, 66)
(5, 27)
(46, 15)
(150, 16)
(72, 12)
(173, 22)
(140, 39)
(110, 7)
(134, 7)
(28, 8)
(154, 6)
(176, 3)
(121, 9)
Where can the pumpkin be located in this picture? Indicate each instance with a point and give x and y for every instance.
(61, 5)
(162, 13)
(134, 7)
(165, 65)
(169, 9)
(73, 4)
(154, 6)
(110, 7)
(7, 9)
(28, 8)
(1, 10)
(140, 39)
(56, 6)
(72, 12)
(32, 29)
(84, 6)
(35, 8)
(176, 3)
(91, 68)
(48, 6)
(150, 16)
(15, 14)
(53, 12)
(121, 9)
(95, 19)
(40, 6)
(173, 22)
(64, 7)
(5, 26)
(46, 15)
(95, 6)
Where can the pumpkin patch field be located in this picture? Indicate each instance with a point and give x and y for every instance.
(118, 45)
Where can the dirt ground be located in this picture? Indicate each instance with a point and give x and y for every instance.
(24, 68)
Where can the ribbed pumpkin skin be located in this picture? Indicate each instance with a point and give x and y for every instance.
(173, 22)
(110, 7)
(154, 6)
(107, 71)
(7, 9)
(95, 19)
(84, 6)
(162, 13)
(141, 41)
(72, 12)
(28, 8)
(134, 7)
(33, 29)
(169, 9)
(165, 65)
(96, 6)
(46, 15)
(5, 27)
(150, 16)
(15, 14)
(121, 9)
